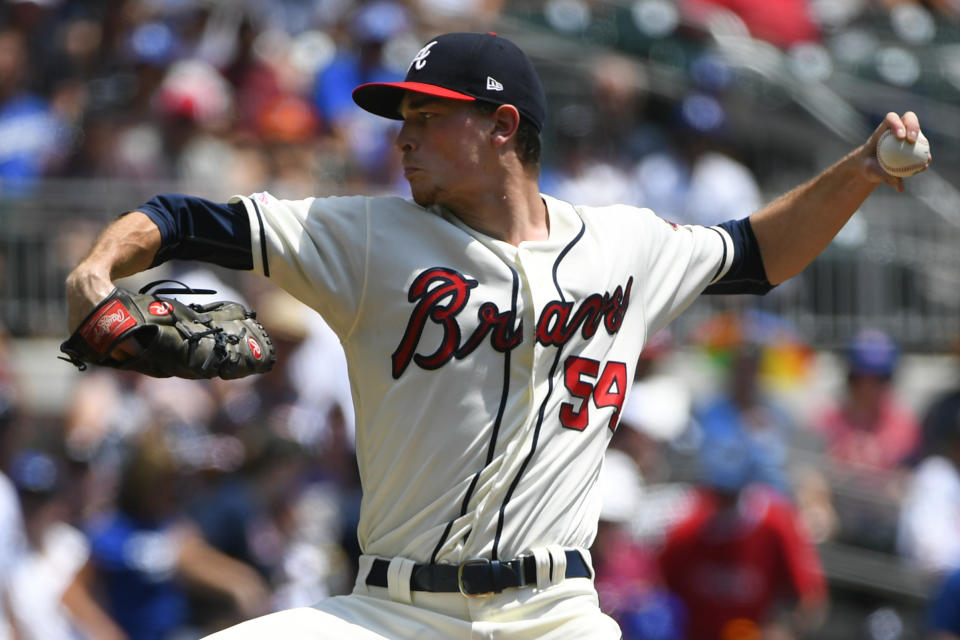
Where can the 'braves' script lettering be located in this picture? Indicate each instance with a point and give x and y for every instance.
(440, 294)
(559, 321)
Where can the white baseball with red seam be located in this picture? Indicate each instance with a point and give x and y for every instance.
(901, 158)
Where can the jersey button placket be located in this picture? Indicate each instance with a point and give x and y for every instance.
(537, 296)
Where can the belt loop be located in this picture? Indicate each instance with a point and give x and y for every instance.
(588, 559)
(521, 569)
(398, 580)
(542, 557)
(365, 563)
(558, 570)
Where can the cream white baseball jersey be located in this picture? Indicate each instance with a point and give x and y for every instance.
(487, 378)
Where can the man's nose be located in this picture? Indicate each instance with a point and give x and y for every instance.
(404, 140)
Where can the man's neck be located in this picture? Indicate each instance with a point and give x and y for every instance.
(514, 214)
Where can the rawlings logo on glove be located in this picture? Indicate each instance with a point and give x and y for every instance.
(162, 337)
(112, 321)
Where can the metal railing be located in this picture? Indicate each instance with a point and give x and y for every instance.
(895, 266)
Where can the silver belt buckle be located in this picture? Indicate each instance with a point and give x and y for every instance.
(467, 563)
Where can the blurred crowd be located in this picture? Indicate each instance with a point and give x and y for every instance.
(165, 509)
(733, 491)
(232, 97)
(242, 95)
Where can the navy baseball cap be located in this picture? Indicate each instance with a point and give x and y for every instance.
(463, 66)
(35, 473)
(872, 352)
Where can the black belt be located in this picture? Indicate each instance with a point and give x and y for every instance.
(476, 577)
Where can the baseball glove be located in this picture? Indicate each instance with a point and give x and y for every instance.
(162, 337)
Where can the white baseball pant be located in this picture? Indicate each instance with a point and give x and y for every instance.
(568, 609)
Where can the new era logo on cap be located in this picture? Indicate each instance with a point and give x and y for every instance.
(463, 66)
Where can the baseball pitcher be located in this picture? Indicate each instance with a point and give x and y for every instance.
(491, 333)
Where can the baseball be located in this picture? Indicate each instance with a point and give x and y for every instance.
(899, 157)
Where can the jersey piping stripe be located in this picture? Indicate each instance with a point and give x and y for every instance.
(496, 424)
(723, 262)
(263, 239)
(543, 405)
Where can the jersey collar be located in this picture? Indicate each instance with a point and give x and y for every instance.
(565, 223)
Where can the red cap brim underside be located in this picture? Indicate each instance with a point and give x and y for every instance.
(383, 98)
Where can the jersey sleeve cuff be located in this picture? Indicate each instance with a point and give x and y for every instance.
(258, 237)
(729, 254)
(745, 272)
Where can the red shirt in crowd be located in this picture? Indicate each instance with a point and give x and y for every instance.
(883, 442)
(733, 564)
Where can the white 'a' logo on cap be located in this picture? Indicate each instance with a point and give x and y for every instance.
(420, 60)
(493, 85)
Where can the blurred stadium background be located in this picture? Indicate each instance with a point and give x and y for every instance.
(104, 103)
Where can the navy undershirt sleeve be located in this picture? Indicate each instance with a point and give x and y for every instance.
(746, 274)
(192, 228)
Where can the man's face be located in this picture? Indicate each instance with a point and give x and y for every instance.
(445, 150)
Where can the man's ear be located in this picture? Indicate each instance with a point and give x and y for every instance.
(506, 121)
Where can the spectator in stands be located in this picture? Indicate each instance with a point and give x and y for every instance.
(867, 436)
(194, 107)
(695, 176)
(458, 15)
(601, 139)
(306, 407)
(31, 133)
(359, 60)
(293, 401)
(626, 572)
(12, 534)
(48, 598)
(109, 410)
(321, 390)
(300, 458)
(145, 552)
(243, 513)
(940, 418)
(104, 410)
(250, 514)
(929, 523)
(618, 87)
(870, 427)
(581, 173)
(948, 8)
(657, 413)
(744, 407)
(780, 22)
(340, 476)
(741, 560)
(943, 619)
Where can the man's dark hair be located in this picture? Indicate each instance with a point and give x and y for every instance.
(528, 138)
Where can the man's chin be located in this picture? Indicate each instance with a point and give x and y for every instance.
(422, 198)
